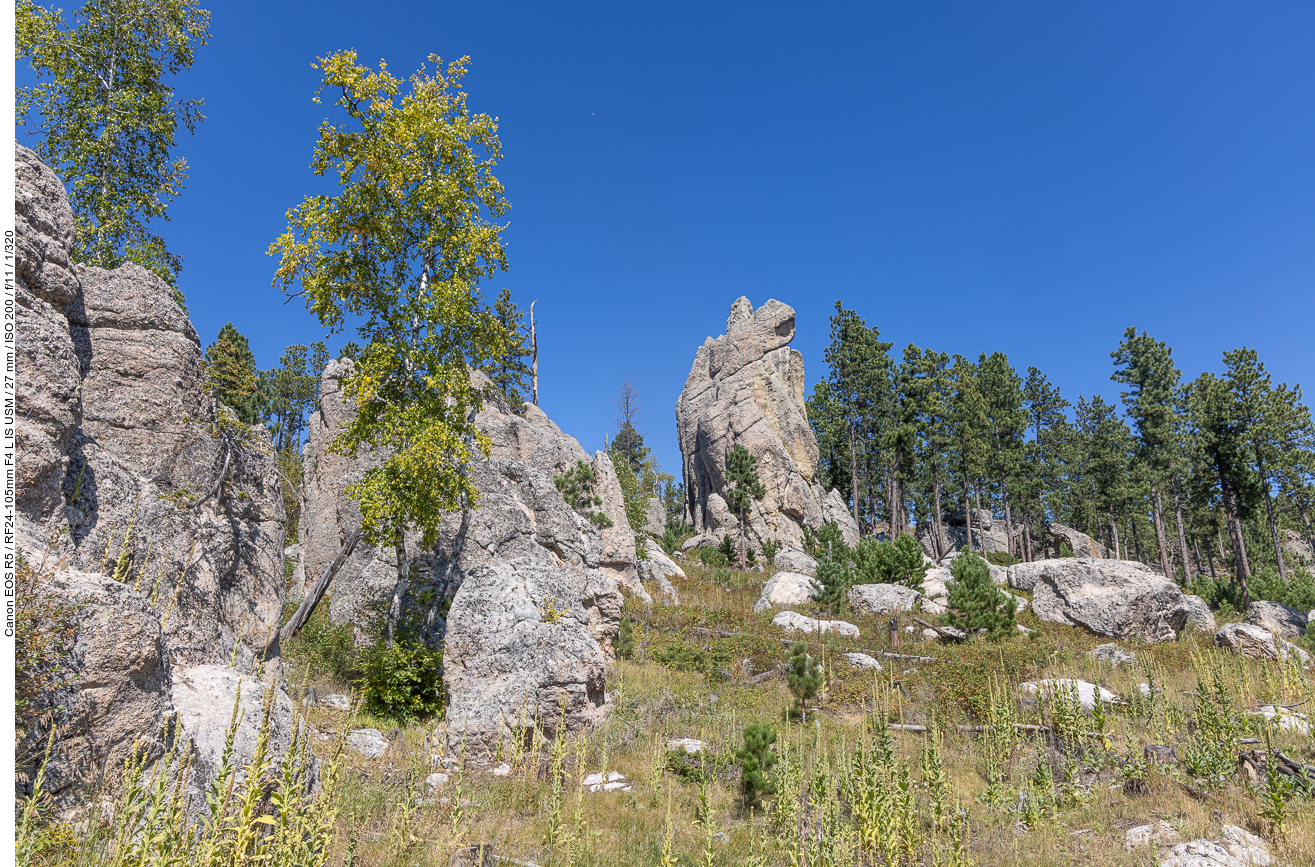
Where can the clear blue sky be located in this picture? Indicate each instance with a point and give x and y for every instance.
(1031, 178)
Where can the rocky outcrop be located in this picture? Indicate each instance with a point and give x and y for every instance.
(747, 388)
(164, 513)
(882, 598)
(795, 560)
(523, 572)
(1235, 847)
(658, 569)
(787, 588)
(118, 437)
(1297, 546)
(1256, 643)
(988, 534)
(1277, 618)
(1078, 542)
(1112, 598)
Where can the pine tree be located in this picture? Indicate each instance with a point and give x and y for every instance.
(1002, 394)
(744, 487)
(969, 424)
(1045, 417)
(231, 370)
(757, 758)
(509, 372)
(886, 562)
(975, 602)
(803, 675)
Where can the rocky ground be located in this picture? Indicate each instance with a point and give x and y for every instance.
(1119, 790)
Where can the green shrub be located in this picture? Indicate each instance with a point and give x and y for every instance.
(885, 562)
(709, 660)
(756, 762)
(625, 639)
(674, 535)
(1002, 558)
(727, 548)
(770, 547)
(326, 647)
(803, 675)
(975, 602)
(712, 557)
(576, 485)
(404, 679)
(829, 541)
(836, 580)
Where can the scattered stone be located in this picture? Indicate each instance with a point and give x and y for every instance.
(689, 745)
(1113, 655)
(1234, 848)
(882, 598)
(1256, 643)
(792, 621)
(862, 661)
(1160, 754)
(702, 540)
(436, 780)
(795, 560)
(502, 770)
(1161, 834)
(336, 701)
(612, 781)
(1286, 719)
(368, 742)
(721, 837)
(930, 634)
(1086, 691)
(787, 588)
(1279, 619)
(1023, 629)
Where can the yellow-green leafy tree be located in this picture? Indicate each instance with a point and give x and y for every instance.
(401, 249)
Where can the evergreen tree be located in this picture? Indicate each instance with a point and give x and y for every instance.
(107, 120)
(969, 423)
(287, 394)
(834, 578)
(231, 370)
(509, 372)
(1045, 418)
(975, 602)
(757, 758)
(803, 675)
(1006, 420)
(1147, 366)
(1105, 445)
(744, 488)
(886, 562)
(927, 392)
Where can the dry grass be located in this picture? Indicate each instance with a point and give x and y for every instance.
(395, 820)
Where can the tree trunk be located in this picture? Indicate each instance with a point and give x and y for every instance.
(1182, 533)
(1240, 565)
(307, 607)
(1157, 512)
(936, 524)
(1027, 541)
(534, 351)
(1114, 535)
(968, 510)
(1009, 518)
(853, 468)
(1136, 538)
(1273, 527)
(399, 591)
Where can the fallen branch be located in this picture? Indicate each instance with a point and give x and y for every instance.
(223, 473)
(950, 636)
(312, 599)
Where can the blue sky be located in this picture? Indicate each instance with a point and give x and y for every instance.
(1029, 177)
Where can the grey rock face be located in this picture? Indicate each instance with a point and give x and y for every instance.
(1297, 546)
(1235, 847)
(1257, 643)
(793, 621)
(1113, 598)
(658, 569)
(117, 430)
(984, 541)
(787, 588)
(795, 560)
(655, 517)
(1277, 618)
(882, 598)
(521, 538)
(1113, 655)
(747, 387)
(1080, 543)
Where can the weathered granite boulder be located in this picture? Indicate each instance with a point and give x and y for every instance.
(1257, 643)
(747, 388)
(655, 517)
(792, 621)
(659, 569)
(982, 518)
(1297, 546)
(1277, 618)
(1078, 542)
(787, 588)
(118, 437)
(1235, 847)
(795, 560)
(882, 598)
(862, 661)
(1113, 655)
(1086, 692)
(521, 538)
(1112, 598)
(985, 541)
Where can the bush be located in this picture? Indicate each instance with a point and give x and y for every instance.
(404, 679)
(803, 675)
(713, 557)
(674, 535)
(576, 485)
(756, 762)
(836, 580)
(326, 647)
(898, 562)
(975, 603)
(827, 542)
(727, 548)
(1002, 558)
(1225, 594)
(770, 547)
(44, 633)
(625, 639)
(710, 660)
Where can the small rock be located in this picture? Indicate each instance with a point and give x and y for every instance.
(502, 770)
(337, 702)
(1161, 754)
(1023, 629)
(368, 742)
(1161, 833)
(795, 560)
(1113, 655)
(689, 745)
(1252, 641)
(613, 776)
(1234, 848)
(592, 781)
(792, 621)
(616, 787)
(862, 661)
(436, 780)
(930, 634)
(1287, 720)
(721, 837)
(1086, 691)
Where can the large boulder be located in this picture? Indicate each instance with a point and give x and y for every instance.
(787, 588)
(521, 530)
(747, 388)
(1078, 542)
(1277, 618)
(882, 598)
(795, 560)
(993, 538)
(1256, 643)
(119, 440)
(659, 569)
(792, 621)
(1112, 598)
